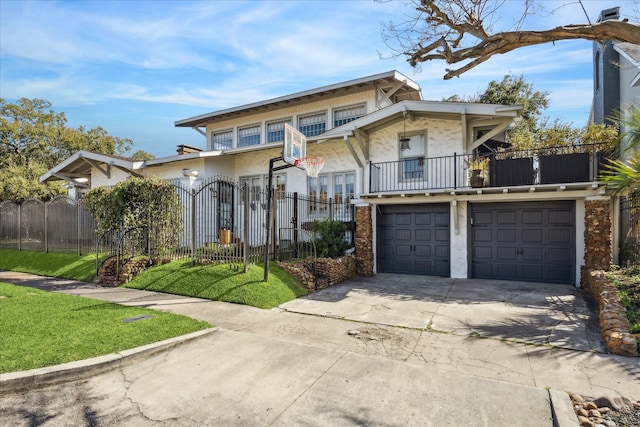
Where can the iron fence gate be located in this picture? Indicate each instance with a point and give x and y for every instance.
(219, 221)
(630, 231)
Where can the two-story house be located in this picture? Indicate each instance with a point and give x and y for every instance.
(436, 188)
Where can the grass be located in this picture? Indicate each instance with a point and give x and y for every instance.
(221, 283)
(62, 265)
(39, 328)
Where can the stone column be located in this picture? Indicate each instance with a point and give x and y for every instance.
(364, 241)
(597, 234)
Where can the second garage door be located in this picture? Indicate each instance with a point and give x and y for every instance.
(532, 241)
(414, 239)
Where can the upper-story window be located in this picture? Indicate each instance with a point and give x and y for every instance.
(346, 115)
(249, 135)
(275, 130)
(412, 157)
(313, 124)
(222, 140)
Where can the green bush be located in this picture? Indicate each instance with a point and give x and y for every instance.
(139, 203)
(329, 238)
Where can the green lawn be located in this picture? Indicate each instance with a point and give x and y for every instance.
(216, 282)
(221, 283)
(53, 264)
(39, 328)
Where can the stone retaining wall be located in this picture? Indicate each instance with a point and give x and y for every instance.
(614, 325)
(329, 270)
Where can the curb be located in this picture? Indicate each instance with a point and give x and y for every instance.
(562, 409)
(81, 369)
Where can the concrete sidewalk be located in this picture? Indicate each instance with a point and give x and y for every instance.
(344, 372)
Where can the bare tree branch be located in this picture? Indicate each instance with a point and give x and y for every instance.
(455, 31)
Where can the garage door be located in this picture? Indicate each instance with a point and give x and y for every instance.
(523, 241)
(414, 239)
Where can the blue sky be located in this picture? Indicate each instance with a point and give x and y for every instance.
(135, 67)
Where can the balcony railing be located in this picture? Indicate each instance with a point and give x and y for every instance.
(555, 165)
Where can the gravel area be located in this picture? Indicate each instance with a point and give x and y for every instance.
(606, 412)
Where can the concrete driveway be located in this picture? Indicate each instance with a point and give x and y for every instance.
(536, 313)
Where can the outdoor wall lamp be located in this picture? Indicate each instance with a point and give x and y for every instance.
(404, 141)
(189, 173)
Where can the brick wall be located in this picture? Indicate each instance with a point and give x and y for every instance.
(364, 241)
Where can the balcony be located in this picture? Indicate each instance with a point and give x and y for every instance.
(508, 168)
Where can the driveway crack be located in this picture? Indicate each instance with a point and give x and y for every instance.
(307, 389)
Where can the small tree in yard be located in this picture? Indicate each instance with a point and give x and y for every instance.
(142, 203)
(329, 240)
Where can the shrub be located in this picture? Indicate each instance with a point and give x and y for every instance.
(329, 238)
(139, 203)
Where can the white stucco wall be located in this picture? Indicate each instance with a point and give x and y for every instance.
(443, 137)
(98, 179)
(580, 230)
(459, 240)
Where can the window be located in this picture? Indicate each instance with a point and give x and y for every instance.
(275, 130)
(412, 159)
(248, 136)
(346, 115)
(313, 124)
(254, 185)
(222, 140)
(339, 187)
(257, 186)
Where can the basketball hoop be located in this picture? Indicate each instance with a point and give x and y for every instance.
(311, 164)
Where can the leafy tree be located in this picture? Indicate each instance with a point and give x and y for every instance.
(623, 176)
(514, 90)
(141, 155)
(34, 138)
(461, 32)
(535, 131)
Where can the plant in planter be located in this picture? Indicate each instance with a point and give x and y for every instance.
(478, 168)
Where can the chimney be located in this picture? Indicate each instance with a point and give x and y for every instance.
(606, 14)
(185, 149)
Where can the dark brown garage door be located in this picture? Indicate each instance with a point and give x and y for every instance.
(414, 239)
(532, 241)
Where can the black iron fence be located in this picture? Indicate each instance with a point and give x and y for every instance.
(553, 165)
(220, 221)
(630, 231)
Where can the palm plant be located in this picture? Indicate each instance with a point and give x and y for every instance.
(624, 176)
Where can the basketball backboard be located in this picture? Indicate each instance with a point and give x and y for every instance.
(295, 145)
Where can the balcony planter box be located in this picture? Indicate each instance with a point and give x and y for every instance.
(564, 168)
(476, 180)
(508, 172)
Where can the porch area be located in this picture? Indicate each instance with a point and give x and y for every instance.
(504, 168)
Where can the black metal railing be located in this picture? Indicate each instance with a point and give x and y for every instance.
(506, 168)
(630, 231)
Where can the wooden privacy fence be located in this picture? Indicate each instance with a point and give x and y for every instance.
(219, 221)
(60, 225)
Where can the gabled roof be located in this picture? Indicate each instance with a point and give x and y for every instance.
(77, 168)
(629, 50)
(406, 89)
(440, 108)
